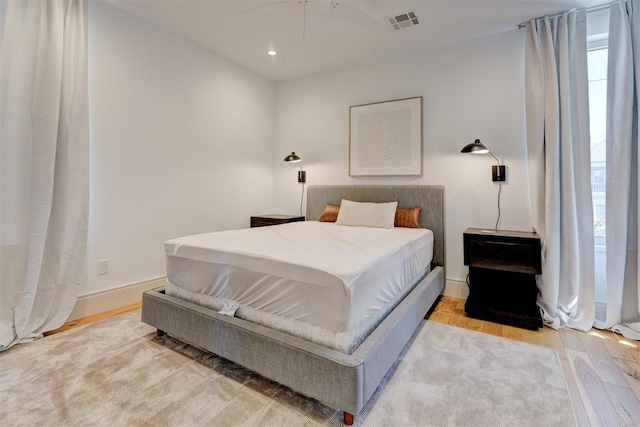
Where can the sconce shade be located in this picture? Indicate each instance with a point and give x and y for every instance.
(293, 157)
(498, 172)
(475, 147)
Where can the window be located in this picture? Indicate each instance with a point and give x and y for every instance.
(597, 69)
(597, 63)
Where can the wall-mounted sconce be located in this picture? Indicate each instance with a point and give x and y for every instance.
(294, 158)
(302, 175)
(498, 171)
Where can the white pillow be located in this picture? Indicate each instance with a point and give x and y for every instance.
(379, 215)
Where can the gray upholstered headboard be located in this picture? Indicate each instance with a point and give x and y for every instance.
(429, 197)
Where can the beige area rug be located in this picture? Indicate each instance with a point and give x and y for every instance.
(118, 373)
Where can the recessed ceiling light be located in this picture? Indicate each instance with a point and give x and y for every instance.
(272, 53)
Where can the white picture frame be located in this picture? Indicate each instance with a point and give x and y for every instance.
(385, 138)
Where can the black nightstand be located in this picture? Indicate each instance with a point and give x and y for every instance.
(502, 276)
(273, 219)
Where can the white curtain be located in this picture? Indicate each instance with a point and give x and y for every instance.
(558, 151)
(44, 163)
(623, 79)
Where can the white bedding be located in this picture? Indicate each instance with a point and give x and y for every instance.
(321, 274)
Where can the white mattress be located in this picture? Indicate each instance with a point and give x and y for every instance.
(329, 276)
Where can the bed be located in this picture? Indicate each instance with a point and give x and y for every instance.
(340, 380)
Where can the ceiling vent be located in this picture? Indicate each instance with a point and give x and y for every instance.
(403, 20)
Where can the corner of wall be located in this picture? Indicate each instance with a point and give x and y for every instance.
(98, 302)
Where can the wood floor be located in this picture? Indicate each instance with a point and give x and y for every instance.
(602, 369)
(95, 318)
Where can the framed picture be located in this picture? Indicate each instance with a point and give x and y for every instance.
(385, 138)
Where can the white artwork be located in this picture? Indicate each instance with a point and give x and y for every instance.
(386, 138)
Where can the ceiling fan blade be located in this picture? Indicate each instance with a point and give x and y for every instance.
(264, 6)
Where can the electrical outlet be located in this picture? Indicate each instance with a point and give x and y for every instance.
(103, 266)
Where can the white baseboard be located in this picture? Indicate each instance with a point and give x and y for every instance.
(456, 288)
(110, 299)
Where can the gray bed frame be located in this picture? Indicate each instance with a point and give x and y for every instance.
(341, 381)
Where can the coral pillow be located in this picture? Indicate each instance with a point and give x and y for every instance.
(329, 214)
(409, 218)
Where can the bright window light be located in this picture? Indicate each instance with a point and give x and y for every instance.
(627, 343)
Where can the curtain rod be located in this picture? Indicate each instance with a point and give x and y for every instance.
(588, 9)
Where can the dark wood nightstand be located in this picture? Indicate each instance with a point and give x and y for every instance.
(502, 276)
(273, 219)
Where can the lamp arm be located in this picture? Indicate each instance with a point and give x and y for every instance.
(498, 161)
(498, 172)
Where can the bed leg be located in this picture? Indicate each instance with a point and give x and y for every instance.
(348, 418)
(160, 332)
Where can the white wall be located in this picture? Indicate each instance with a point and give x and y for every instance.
(186, 142)
(471, 90)
(181, 143)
